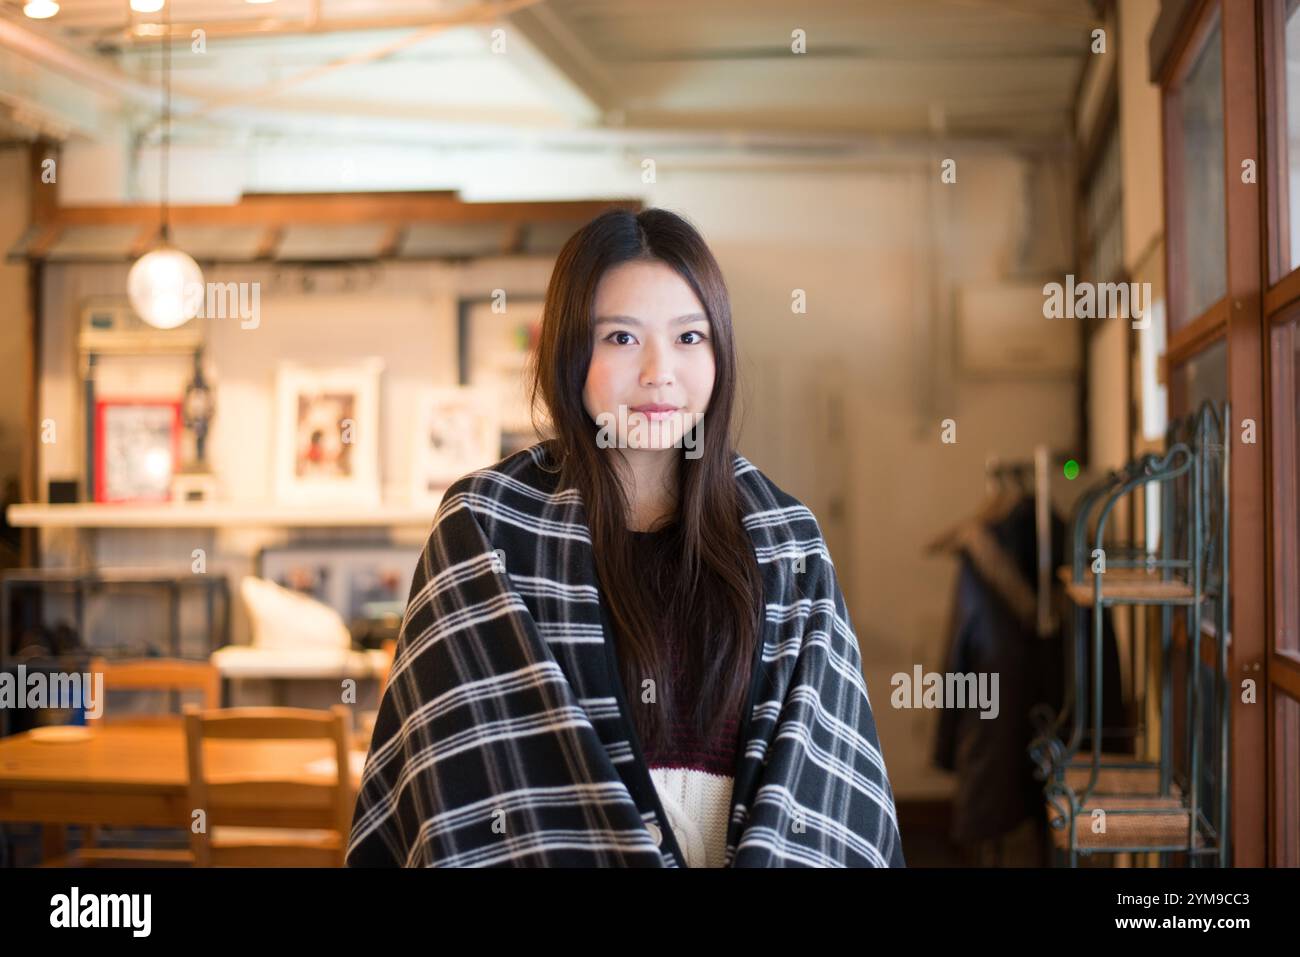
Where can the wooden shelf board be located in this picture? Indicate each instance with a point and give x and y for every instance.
(215, 515)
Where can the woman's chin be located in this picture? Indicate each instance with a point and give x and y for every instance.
(666, 435)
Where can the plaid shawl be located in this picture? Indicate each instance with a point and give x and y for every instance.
(504, 736)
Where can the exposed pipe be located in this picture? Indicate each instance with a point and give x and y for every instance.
(478, 14)
(47, 53)
(313, 23)
(35, 120)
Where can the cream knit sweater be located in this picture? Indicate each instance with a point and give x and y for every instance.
(696, 803)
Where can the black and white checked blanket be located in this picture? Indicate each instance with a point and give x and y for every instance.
(504, 737)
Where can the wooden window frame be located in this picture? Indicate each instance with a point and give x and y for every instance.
(1237, 318)
(1281, 306)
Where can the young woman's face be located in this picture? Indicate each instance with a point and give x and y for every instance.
(652, 347)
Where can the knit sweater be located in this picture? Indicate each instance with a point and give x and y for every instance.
(693, 774)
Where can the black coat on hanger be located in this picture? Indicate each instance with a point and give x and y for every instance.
(996, 787)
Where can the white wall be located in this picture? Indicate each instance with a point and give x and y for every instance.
(1139, 117)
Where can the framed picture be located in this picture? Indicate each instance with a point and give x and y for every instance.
(458, 430)
(137, 449)
(327, 438)
(359, 581)
(497, 343)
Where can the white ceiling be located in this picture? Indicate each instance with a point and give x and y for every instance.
(999, 69)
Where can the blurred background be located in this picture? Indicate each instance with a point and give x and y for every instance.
(369, 197)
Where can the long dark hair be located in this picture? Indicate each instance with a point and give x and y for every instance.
(706, 567)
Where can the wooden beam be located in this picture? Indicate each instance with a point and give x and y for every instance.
(147, 236)
(388, 246)
(343, 209)
(273, 212)
(514, 239)
(44, 242)
(269, 243)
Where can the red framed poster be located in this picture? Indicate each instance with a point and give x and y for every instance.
(137, 449)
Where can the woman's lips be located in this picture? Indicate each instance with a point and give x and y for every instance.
(655, 411)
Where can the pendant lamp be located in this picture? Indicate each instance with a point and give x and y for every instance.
(165, 285)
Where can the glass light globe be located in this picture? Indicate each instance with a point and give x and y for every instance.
(165, 287)
(146, 6)
(41, 9)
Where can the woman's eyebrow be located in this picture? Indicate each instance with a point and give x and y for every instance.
(633, 321)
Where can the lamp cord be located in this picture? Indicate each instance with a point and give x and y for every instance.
(167, 121)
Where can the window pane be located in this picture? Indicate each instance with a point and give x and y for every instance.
(1203, 246)
(1204, 376)
(1286, 461)
(1286, 753)
(1286, 114)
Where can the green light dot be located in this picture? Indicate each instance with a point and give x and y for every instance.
(1071, 470)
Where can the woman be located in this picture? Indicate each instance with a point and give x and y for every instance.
(624, 645)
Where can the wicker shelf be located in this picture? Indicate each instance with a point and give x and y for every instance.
(1134, 586)
(1165, 825)
(1137, 779)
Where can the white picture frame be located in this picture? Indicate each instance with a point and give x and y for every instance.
(327, 434)
(458, 430)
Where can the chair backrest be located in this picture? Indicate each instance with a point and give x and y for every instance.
(157, 674)
(270, 790)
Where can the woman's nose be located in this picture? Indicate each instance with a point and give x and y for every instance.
(656, 370)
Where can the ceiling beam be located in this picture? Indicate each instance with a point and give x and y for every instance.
(536, 65)
(557, 45)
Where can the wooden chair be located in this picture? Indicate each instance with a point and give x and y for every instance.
(156, 674)
(227, 840)
(365, 731)
(144, 674)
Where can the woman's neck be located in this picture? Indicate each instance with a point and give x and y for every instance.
(651, 486)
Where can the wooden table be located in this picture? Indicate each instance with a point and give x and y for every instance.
(136, 776)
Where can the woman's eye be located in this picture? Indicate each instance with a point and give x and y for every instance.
(614, 338)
